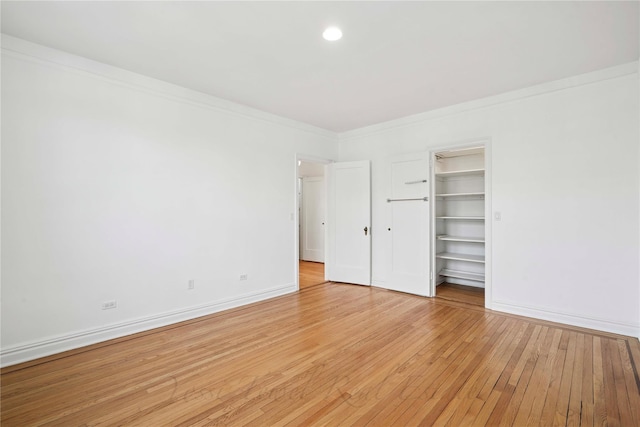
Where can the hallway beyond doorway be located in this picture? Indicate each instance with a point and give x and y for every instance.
(311, 273)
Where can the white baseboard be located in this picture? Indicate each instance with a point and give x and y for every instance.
(34, 350)
(379, 283)
(627, 329)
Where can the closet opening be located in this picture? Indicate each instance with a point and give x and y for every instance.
(458, 214)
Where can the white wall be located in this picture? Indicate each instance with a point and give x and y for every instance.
(564, 176)
(120, 187)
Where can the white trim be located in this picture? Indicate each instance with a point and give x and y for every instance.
(32, 52)
(34, 350)
(627, 329)
(623, 70)
(380, 284)
(488, 224)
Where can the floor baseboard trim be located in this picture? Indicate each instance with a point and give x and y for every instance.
(569, 319)
(379, 283)
(35, 350)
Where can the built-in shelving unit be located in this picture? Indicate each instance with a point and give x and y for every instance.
(460, 257)
(459, 191)
(477, 193)
(460, 238)
(471, 218)
(462, 275)
(463, 172)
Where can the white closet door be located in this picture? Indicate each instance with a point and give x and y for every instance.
(408, 225)
(313, 209)
(349, 222)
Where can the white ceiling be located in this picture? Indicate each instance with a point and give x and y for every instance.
(395, 59)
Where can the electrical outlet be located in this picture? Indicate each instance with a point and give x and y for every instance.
(244, 276)
(108, 305)
(192, 284)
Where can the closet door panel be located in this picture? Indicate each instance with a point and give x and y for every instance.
(408, 224)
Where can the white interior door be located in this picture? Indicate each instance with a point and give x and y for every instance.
(312, 215)
(408, 224)
(349, 222)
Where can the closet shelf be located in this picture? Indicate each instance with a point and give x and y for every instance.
(460, 238)
(479, 277)
(479, 193)
(461, 173)
(461, 257)
(474, 218)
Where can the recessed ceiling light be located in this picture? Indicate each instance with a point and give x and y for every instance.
(332, 34)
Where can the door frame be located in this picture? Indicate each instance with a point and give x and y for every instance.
(488, 215)
(300, 157)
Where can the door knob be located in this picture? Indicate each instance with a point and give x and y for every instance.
(366, 230)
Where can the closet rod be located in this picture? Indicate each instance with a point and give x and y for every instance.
(457, 153)
(424, 199)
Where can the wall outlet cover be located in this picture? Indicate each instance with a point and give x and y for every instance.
(108, 305)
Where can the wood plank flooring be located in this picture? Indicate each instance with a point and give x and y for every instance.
(337, 355)
(461, 293)
(310, 273)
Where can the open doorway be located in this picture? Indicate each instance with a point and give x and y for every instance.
(311, 223)
(459, 210)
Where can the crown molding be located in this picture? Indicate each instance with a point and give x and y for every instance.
(618, 71)
(38, 53)
(28, 51)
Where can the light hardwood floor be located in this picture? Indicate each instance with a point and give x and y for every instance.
(311, 273)
(337, 355)
(461, 293)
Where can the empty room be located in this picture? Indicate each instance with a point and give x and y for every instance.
(380, 213)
